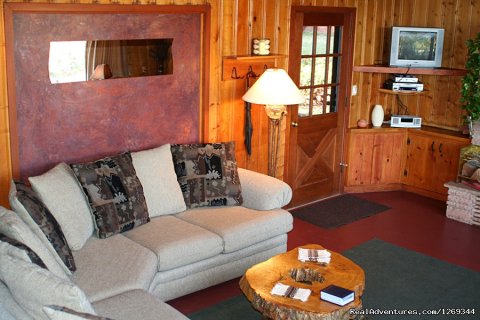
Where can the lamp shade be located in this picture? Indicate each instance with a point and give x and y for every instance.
(274, 87)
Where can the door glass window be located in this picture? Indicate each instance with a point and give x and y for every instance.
(319, 70)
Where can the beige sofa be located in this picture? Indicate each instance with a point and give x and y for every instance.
(131, 274)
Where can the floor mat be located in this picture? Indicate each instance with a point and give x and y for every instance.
(338, 211)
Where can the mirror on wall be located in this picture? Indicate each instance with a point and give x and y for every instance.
(75, 61)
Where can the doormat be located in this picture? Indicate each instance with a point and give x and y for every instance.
(396, 280)
(338, 211)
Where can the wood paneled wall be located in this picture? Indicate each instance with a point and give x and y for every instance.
(236, 22)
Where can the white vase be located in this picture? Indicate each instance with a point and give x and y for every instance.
(377, 116)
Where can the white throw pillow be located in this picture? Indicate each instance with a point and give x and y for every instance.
(12, 226)
(156, 173)
(33, 287)
(61, 193)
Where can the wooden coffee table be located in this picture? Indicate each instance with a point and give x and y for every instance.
(259, 280)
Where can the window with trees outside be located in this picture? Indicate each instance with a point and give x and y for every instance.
(320, 69)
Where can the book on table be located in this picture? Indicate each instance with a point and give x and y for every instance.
(337, 295)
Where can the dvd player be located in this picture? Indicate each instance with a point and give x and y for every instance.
(404, 78)
(405, 86)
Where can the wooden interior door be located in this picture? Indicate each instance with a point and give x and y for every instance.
(320, 62)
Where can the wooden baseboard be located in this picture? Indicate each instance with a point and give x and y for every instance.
(373, 188)
(395, 187)
(426, 193)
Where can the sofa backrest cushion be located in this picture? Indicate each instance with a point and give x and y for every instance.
(207, 174)
(155, 170)
(31, 209)
(16, 248)
(64, 313)
(33, 287)
(114, 192)
(12, 226)
(60, 191)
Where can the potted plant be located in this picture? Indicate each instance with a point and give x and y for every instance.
(471, 86)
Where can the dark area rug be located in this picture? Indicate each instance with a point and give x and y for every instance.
(338, 211)
(396, 279)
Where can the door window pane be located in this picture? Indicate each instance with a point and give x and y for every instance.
(304, 108)
(320, 71)
(335, 39)
(307, 41)
(306, 72)
(322, 38)
(332, 99)
(333, 69)
(318, 101)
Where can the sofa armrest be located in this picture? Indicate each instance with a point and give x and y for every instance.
(262, 192)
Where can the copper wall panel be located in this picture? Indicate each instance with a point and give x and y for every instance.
(86, 120)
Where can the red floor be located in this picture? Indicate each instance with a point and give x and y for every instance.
(413, 222)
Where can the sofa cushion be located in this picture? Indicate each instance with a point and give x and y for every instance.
(176, 242)
(64, 313)
(21, 226)
(137, 304)
(114, 192)
(106, 267)
(240, 227)
(47, 223)
(33, 287)
(155, 170)
(60, 191)
(17, 249)
(207, 174)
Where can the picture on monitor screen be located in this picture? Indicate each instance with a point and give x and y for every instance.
(414, 45)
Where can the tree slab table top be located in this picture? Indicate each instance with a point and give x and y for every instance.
(285, 268)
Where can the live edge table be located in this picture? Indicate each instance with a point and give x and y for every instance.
(259, 280)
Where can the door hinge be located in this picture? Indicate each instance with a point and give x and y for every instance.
(346, 102)
(405, 173)
(408, 141)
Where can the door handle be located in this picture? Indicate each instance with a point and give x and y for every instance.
(294, 124)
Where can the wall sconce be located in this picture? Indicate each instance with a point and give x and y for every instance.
(274, 89)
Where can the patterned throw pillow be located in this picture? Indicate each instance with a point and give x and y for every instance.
(64, 313)
(47, 223)
(207, 174)
(114, 192)
(29, 253)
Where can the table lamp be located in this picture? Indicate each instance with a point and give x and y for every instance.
(275, 89)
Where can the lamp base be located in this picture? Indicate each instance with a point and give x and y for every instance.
(275, 115)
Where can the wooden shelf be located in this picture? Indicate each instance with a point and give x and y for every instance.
(243, 63)
(418, 71)
(403, 93)
(254, 58)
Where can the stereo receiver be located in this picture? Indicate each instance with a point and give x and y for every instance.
(403, 121)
